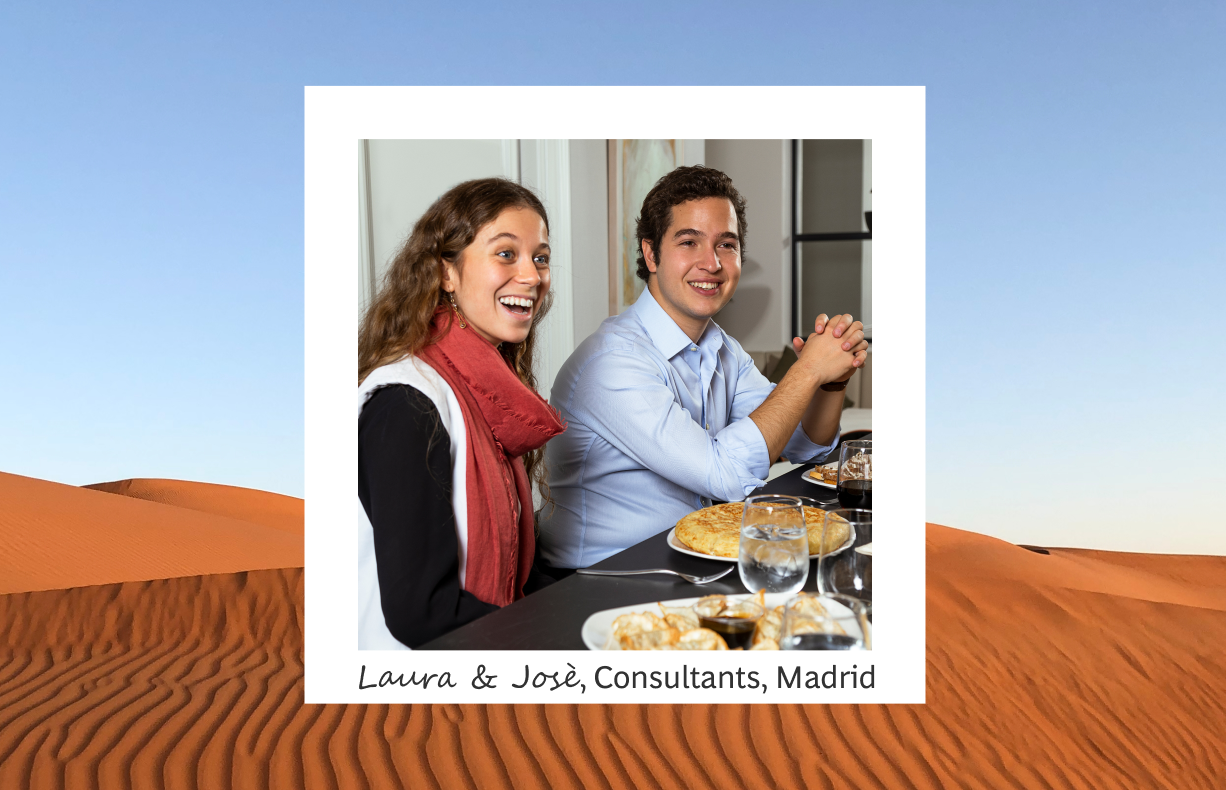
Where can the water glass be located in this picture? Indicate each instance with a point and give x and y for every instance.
(826, 621)
(774, 550)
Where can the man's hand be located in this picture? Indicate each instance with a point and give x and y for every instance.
(832, 353)
(833, 356)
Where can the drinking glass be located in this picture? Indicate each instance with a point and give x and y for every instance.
(855, 483)
(827, 621)
(850, 572)
(774, 551)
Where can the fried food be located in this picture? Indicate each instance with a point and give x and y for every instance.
(701, 639)
(710, 606)
(716, 530)
(813, 618)
(748, 610)
(680, 617)
(637, 621)
(809, 605)
(659, 639)
(679, 628)
(825, 474)
(767, 629)
(837, 532)
(634, 623)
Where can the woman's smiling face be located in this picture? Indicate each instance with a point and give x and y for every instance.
(500, 280)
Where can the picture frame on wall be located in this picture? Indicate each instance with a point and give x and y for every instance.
(634, 168)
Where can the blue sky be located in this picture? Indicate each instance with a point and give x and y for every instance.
(151, 275)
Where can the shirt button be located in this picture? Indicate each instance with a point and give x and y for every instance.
(707, 426)
(693, 348)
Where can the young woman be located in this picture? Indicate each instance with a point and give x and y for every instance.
(449, 421)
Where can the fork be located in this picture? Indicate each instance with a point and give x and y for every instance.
(686, 576)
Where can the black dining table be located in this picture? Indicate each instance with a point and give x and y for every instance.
(552, 618)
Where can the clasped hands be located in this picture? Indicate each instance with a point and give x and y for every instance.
(832, 356)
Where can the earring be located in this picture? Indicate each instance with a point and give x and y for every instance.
(455, 309)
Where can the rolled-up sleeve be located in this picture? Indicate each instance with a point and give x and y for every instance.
(800, 449)
(751, 390)
(627, 398)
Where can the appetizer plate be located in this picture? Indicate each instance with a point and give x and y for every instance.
(677, 545)
(597, 627)
(822, 483)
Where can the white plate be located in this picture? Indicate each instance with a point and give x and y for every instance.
(677, 545)
(805, 476)
(597, 627)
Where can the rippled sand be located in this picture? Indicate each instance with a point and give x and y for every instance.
(1079, 669)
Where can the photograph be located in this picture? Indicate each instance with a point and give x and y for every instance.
(616, 399)
(541, 461)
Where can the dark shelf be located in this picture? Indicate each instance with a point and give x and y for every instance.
(857, 236)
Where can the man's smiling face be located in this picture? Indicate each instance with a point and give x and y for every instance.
(698, 265)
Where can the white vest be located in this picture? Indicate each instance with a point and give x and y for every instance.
(416, 373)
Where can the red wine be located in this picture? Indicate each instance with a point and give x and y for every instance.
(821, 642)
(856, 493)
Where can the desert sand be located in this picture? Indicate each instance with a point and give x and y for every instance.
(260, 507)
(151, 636)
(54, 536)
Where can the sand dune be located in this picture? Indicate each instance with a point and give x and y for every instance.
(55, 536)
(259, 507)
(1075, 670)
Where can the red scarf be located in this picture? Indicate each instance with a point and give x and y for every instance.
(503, 419)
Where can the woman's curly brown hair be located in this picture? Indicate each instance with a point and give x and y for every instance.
(397, 323)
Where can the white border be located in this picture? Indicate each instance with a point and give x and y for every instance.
(337, 117)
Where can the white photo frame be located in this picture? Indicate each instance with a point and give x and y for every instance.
(336, 118)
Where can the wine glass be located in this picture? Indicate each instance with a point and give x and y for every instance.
(774, 550)
(827, 621)
(850, 572)
(855, 483)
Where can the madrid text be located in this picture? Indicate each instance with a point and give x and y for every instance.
(833, 678)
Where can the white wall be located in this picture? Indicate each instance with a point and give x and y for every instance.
(406, 176)
(589, 216)
(693, 152)
(760, 313)
(399, 179)
(545, 169)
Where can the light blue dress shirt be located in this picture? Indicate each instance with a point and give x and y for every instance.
(657, 427)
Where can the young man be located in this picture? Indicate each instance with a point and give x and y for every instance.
(665, 412)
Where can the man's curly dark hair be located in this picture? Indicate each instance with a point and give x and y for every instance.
(675, 188)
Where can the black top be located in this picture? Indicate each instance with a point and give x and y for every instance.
(404, 483)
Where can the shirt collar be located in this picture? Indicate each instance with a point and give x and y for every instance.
(661, 328)
(665, 333)
(712, 339)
